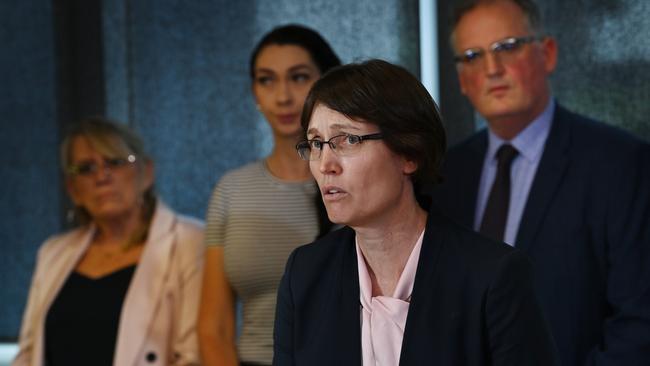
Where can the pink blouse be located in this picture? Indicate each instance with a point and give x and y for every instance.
(382, 317)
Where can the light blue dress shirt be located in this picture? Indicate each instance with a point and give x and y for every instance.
(530, 144)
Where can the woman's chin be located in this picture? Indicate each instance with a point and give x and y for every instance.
(293, 130)
(110, 212)
(338, 217)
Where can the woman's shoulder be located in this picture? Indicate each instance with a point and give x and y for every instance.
(188, 228)
(190, 241)
(185, 232)
(191, 230)
(238, 181)
(324, 249)
(56, 244)
(472, 241)
(244, 173)
(313, 266)
(471, 249)
(190, 223)
(330, 240)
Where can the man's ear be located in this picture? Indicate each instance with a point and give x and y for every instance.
(461, 81)
(550, 50)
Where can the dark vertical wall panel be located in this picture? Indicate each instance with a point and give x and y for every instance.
(457, 112)
(29, 188)
(602, 70)
(79, 55)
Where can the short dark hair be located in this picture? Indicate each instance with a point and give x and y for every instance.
(390, 97)
(293, 34)
(530, 9)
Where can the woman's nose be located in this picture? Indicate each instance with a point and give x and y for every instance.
(102, 172)
(329, 161)
(284, 93)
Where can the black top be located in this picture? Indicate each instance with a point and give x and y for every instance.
(81, 325)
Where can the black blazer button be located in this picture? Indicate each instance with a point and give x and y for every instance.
(151, 357)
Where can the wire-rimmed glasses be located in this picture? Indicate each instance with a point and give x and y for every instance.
(342, 145)
(504, 50)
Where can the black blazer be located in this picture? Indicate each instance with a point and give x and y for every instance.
(472, 304)
(586, 229)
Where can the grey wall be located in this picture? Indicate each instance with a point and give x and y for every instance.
(602, 70)
(604, 59)
(175, 71)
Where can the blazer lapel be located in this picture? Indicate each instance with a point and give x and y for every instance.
(59, 268)
(65, 262)
(147, 287)
(422, 289)
(348, 341)
(550, 173)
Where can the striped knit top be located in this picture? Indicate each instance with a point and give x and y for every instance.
(259, 220)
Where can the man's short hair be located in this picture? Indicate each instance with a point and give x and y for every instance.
(529, 8)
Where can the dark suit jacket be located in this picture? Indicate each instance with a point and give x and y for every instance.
(472, 304)
(586, 229)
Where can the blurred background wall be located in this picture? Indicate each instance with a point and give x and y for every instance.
(30, 189)
(178, 73)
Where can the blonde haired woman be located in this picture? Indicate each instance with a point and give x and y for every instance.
(123, 287)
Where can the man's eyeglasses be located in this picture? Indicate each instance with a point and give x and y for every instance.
(89, 168)
(342, 145)
(504, 49)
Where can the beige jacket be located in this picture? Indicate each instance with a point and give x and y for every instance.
(158, 319)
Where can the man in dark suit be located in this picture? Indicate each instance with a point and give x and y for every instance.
(572, 193)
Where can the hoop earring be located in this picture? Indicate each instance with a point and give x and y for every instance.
(70, 215)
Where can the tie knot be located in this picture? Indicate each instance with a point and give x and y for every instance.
(505, 154)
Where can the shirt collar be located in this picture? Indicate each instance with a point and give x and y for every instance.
(529, 142)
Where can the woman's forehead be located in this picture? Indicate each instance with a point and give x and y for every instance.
(105, 145)
(281, 58)
(327, 119)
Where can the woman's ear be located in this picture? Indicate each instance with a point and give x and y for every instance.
(72, 192)
(146, 176)
(410, 166)
(149, 175)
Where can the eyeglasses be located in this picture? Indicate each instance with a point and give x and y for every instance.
(342, 145)
(89, 168)
(504, 49)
